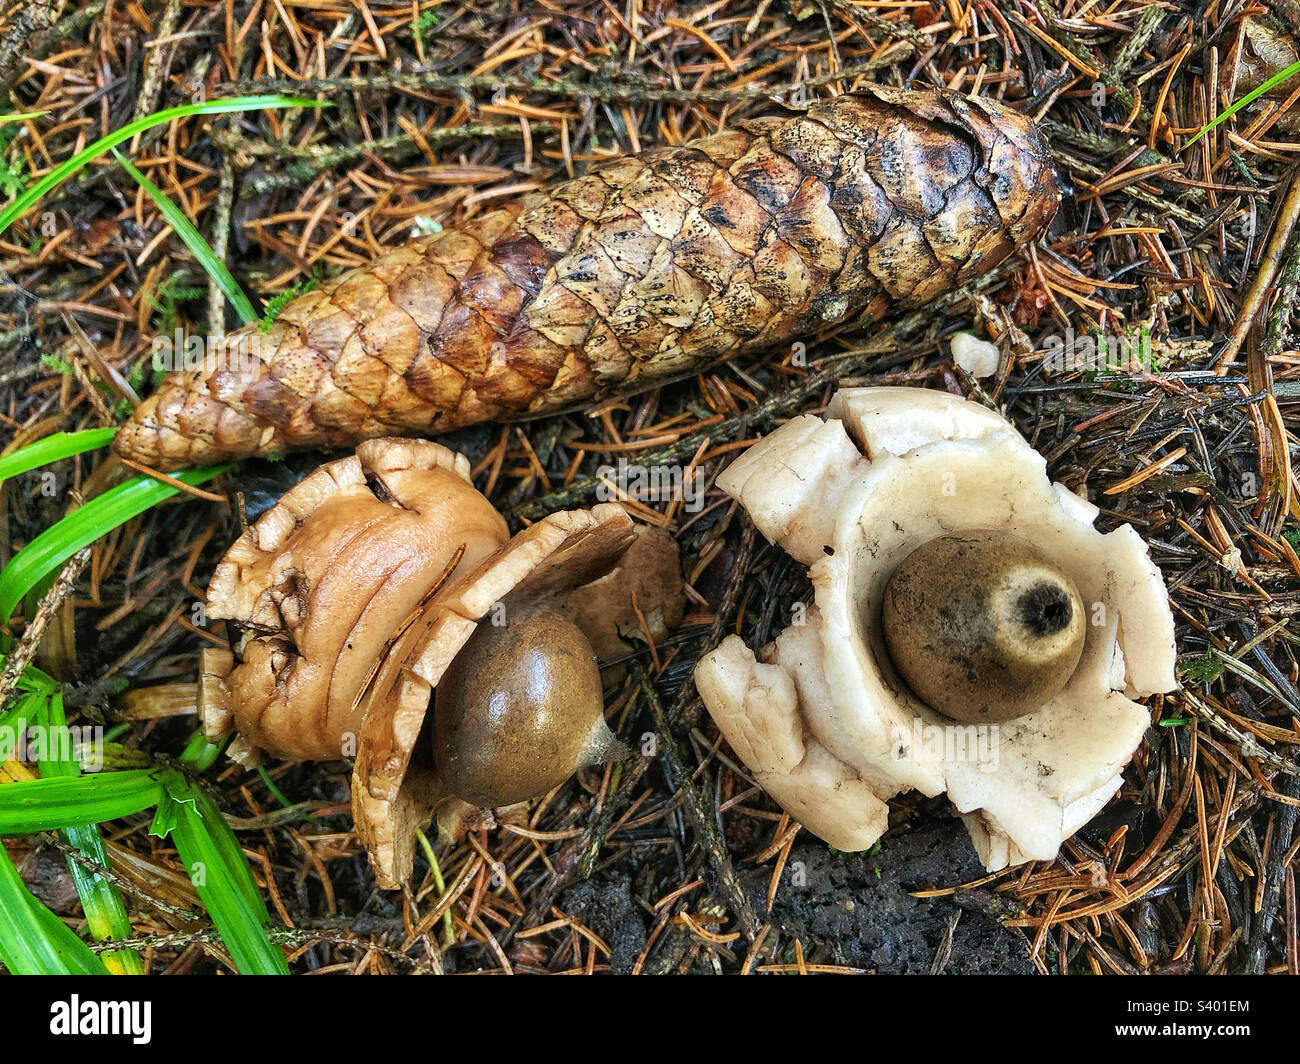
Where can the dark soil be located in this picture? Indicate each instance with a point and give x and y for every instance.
(860, 909)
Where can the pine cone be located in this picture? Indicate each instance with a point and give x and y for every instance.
(648, 267)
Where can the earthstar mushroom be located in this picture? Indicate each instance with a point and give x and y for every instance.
(825, 716)
(386, 575)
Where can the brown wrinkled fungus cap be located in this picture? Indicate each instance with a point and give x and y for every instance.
(356, 592)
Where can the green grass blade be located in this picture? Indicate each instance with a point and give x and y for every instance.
(200, 754)
(193, 239)
(101, 901)
(33, 941)
(232, 854)
(30, 196)
(220, 873)
(1272, 83)
(54, 803)
(53, 448)
(43, 555)
(14, 722)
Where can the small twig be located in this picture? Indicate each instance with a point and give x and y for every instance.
(220, 245)
(49, 605)
(1250, 746)
(306, 161)
(1285, 304)
(29, 21)
(125, 885)
(703, 819)
(1257, 949)
(155, 67)
(284, 936)
(1262, 285)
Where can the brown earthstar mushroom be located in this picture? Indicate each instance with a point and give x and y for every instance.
(358, 590)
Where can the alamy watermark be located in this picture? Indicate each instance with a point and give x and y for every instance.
(1099, 352)
(131, 1019)
(81, 743)
(659, 483)
(237, 353)
(975, 744)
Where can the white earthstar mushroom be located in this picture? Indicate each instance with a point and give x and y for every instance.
(822, 717)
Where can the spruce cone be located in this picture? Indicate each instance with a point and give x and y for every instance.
(647, 267)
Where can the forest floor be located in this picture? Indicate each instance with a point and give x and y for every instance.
(440, 109)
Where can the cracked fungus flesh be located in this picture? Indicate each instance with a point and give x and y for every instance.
(821, 715)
